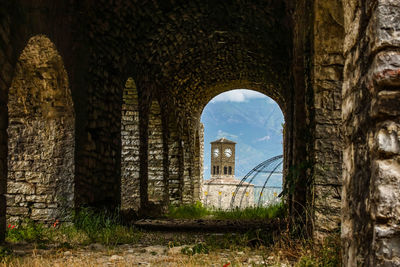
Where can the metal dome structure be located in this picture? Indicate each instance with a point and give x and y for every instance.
(265, 170)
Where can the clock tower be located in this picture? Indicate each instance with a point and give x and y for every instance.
(222, 159)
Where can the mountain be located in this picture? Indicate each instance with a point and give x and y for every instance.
(254, 124)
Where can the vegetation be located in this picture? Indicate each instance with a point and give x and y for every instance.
(90, 226)
(197, 211)
(194, 211)
(327, 255)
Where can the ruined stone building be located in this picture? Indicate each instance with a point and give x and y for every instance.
(100, 103)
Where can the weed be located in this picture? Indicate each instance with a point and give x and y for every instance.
(89, 226)
(197, 211)
(28, 231)
(269, 212)
(5, 254)
(199, 248)
(194, 211)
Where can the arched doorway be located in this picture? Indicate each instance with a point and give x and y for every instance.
(130, 162)
(41, 136)
(247, 125)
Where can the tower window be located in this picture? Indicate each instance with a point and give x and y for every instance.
(217, 169)
(213, 169)
(230, 170)
(225, 170)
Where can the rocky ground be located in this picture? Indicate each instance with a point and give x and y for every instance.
(138, 255)
(164, 243)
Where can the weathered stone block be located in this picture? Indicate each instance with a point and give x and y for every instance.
(20, 188)
(388, 142)
(384, 29)
(385, 70)
(40, 214)
(18, 211)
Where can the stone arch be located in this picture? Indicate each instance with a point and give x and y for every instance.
(283, 103)
(41, 136)
(221, 197)
(156, 182)
(257, 86)
(130, 142)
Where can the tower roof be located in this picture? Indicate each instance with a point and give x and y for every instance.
(223, 140)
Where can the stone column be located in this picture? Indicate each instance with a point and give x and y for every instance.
(327, 78)
(371, 110)
(155, 155)
(173, 166)
(187, 188)
(7, 69)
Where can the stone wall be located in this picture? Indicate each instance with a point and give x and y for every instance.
(130, 197)
(370, 110)
(196, 167)
(189, 53)
(187, 179)
(174, 183)
(327, 83)
(41, 136)
(6, 74)
(201, 159)
(155, 155)
(218, 194)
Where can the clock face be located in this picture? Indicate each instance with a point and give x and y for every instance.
(216, 152)
(228, 152)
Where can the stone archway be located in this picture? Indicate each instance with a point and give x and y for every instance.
(130, 196)
(240, 123)
(41, 136)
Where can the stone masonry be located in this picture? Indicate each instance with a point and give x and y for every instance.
(218, 193)
(371, 192)
(41, 136)
(67, 117)
(327, 82)
(130, 196)
(155, 154)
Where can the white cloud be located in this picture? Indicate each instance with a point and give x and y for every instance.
(239, 95)
(265, 138)
(221, 134)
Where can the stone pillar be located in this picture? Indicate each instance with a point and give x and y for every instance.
(197, 165)
(201, 160)
(130, 161)
(155, 155)
(371, 110)
(187, 188)
(173, 167)
(6, 74)
(327, 79)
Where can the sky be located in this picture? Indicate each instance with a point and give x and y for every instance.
(251, 119)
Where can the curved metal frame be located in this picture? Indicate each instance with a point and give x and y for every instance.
(254, 172)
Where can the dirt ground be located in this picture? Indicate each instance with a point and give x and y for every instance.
(136, 255)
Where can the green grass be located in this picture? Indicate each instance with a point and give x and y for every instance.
(93, 226)
(197, 211)
(269, 212)
(194, 211)
(89, 226)
(328, 255)
(28, 231)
